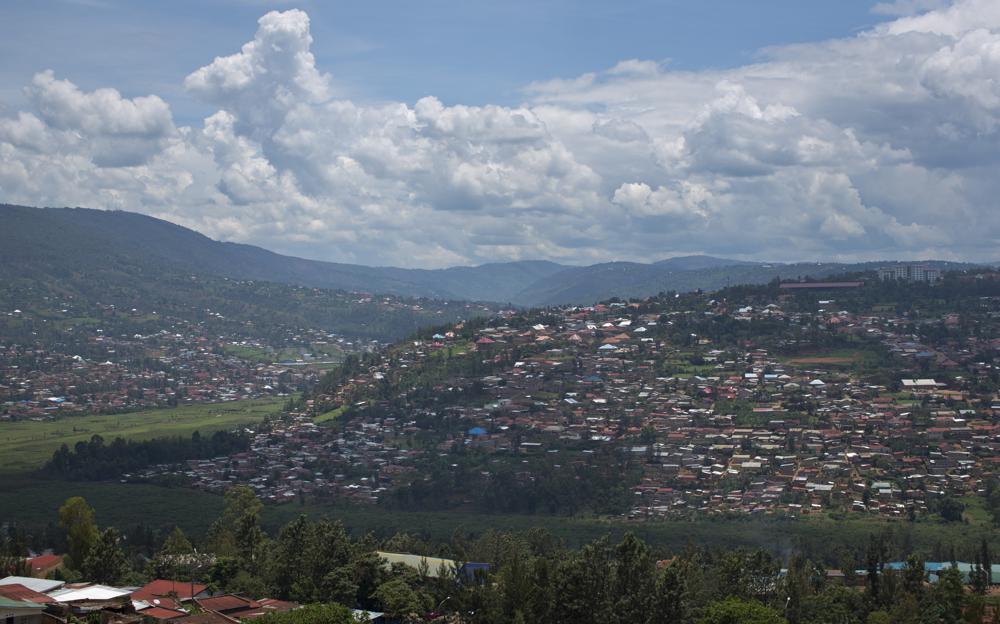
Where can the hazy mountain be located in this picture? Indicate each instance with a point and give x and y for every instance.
(35, 242)
(40, 239)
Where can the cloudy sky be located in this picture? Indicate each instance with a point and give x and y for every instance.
(437, 133)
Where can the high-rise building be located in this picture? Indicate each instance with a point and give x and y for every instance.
(910, 273)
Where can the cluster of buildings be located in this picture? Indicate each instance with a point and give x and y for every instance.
(44, 599)
(112, 374)
(296, 459)
(32, 600)
(721, 425)
(780, 412)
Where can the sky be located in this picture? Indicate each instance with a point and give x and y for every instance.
(441, 133)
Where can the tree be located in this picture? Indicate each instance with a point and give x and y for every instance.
(914, 576)
(878, 617)
(76, 517)
(311, 614)
(668, 597)
(249, 541)
(948, 596)
(106, 562)
(951, 509)
(302, 562)
(582, 585)
(632, 580)
(240, 503)
(982, 572)
(339, 585)
(398, 600)
(176, 543)
(737, 611)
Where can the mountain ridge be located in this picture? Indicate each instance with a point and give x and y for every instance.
(46, 240)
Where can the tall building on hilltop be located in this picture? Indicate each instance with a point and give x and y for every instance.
(910, 273)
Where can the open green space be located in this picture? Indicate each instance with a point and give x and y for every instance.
(248, 352)
(27, 445)
(330, 415)
(831, 357)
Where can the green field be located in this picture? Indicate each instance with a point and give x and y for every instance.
(833, 358)
(26, 445)
(331, 415)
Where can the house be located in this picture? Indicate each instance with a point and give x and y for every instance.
(20, 611)
(174, 590)
(42, 586)
(238, 608)
(436, 567)
(208, 617)
(22, 593)
(43, 565)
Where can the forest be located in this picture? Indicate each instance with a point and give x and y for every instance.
(94, 460)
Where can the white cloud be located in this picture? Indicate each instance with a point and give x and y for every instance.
(269, 77)
(902, 8)
(882, 144)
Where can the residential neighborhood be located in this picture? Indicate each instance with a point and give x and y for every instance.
(788, 411)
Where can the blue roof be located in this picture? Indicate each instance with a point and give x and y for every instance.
(933, 568)
(477, 431)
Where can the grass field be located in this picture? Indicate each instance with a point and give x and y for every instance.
(832, 358)
(26, 445)
(331, 415)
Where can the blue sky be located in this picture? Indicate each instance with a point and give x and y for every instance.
(463, 52)
(432, 133)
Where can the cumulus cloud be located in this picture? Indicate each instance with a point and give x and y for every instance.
(882, 144)
(115, 130)
(268, 77)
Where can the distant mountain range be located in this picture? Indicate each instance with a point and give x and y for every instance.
(40, 242)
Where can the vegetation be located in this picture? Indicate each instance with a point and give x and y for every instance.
(27, 445)
(95, 460)
(126, 260)
(532, 576)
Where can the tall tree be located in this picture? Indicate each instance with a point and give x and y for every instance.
(948, 596)
(668, 599)
(76, 517)
(106, 562)
(237, 532)
(632, 581)
(736, 611)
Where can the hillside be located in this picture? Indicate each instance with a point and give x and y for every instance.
(55, 242)
(36, 242)
(67, 268)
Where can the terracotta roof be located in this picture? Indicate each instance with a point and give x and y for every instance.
(160, 587)
(225, 603)
(263, 608)
(43, 563)
(161, 613)
(20, 592)
(211, 617)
